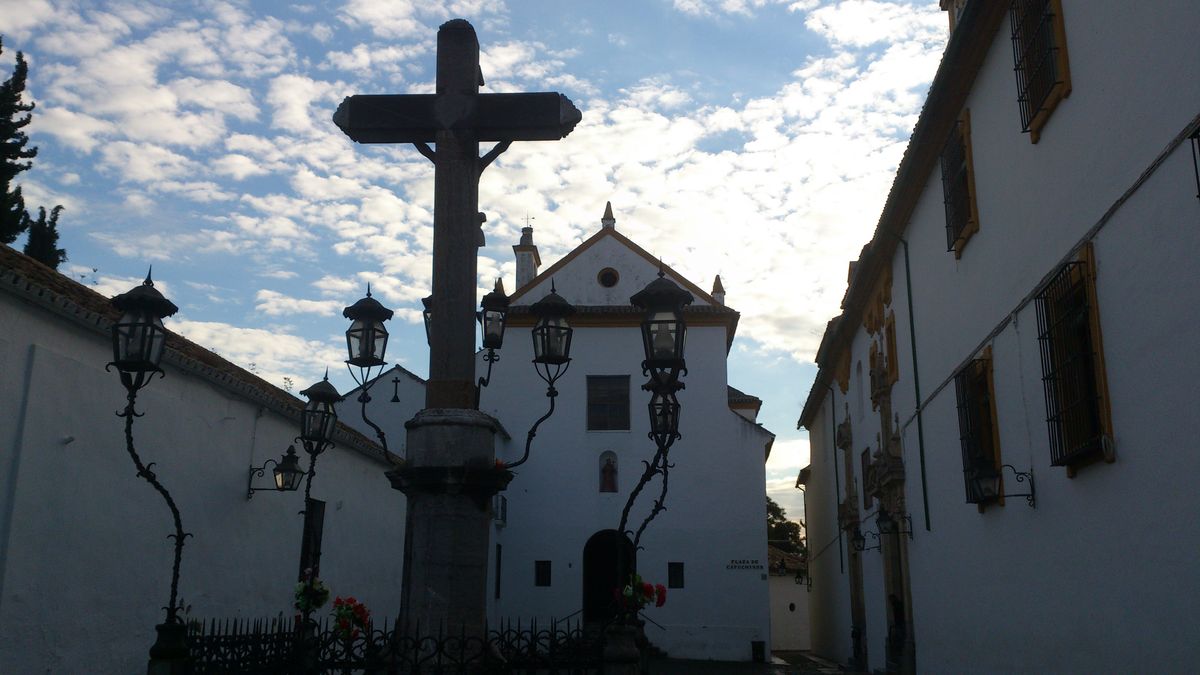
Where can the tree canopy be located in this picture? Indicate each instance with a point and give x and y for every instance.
(786, 535)
(14, 155)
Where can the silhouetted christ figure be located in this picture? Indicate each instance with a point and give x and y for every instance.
(455, 119)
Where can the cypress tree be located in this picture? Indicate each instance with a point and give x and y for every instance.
(42, 244)
(14, 116)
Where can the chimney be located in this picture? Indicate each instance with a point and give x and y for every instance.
(718, 291)
(528, 259)
(608, 221)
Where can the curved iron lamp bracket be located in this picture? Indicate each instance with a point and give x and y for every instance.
(489, 358)
(1022, 477)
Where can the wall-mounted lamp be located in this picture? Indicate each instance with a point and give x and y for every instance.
(287, 473)
(859, 540)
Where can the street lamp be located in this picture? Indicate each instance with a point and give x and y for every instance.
(493, 317)
(366, 345)
(551, 351)
(427, 316)
(663, 333)
(318, 420)
(287, 473)
(138, 340)
(663, 328)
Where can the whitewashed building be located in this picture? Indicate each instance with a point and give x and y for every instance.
(1002, 416)
(85, 562)
(555, 540)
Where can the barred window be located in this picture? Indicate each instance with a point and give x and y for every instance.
(977, 430)
(958, 187)
(1039, 42)
(541, 573)
(1077, 413)
(608, 403)
(674, 575)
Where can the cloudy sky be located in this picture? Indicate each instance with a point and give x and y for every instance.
(755, 139)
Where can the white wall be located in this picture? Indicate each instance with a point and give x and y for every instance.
(715, 506)
(85, 560)
(1100, 577)
(789, 614)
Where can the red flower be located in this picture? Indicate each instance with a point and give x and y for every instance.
(661, 593)
(648, 589)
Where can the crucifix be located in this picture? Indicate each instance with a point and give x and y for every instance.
(456, 119)
(450, 474)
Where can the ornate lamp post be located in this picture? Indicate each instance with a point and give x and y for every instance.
(551, 351)
(366, 345)
(138, 339)
(287, 473)
(663, 337)
(317, 422)
(493, 317)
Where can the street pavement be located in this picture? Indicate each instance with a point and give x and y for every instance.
(784, 663)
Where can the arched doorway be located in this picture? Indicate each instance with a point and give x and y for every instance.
(608, 560)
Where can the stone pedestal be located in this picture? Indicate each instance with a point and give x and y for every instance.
(621, 653)
(449, 478)
(169, 655)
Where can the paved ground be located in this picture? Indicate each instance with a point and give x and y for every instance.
(784, 663)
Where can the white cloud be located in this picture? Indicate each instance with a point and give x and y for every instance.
(273, 303)
(19, 17)
(76, 130)
(276, 355)
(144, 163)
(861, 23)
(219, 95)
(237, 166)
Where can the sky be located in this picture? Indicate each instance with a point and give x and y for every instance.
(755, 139)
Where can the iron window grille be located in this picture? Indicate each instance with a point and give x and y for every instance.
(500, 510)
(608, 403)
(958, 193)
(1039, 60)
(674, 575)
(977, 431)
(1072, 372)
(541, 573)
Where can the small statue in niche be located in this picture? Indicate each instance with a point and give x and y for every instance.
(608, 476)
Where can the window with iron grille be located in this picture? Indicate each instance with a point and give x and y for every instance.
(977, 431)
(1039, 42)
(958, 187)
(1077, 413)
(674, 575)
(541, 573)
(608, 403)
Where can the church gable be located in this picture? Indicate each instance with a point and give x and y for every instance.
(605, 270)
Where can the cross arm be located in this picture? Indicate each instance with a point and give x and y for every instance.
(416, 118)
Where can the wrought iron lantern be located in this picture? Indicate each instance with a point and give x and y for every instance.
(664, 413)
(287, 473)
(493, 316)
(663, 328)
(551, 352)
(552, 335)
(319, 418)
(427, 316)
(138, 336)
(366, 339)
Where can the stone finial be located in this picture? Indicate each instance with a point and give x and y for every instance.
(608, 221)
(718, 291)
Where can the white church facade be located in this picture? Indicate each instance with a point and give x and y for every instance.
(554, 550)
(1003, 446)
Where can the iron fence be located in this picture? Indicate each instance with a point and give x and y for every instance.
(287, 645)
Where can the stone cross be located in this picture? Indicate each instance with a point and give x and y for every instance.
(456, 119)
(450, 475)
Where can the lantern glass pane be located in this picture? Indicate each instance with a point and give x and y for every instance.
(366, 342)
(493, 328)
(552, 340)
(663, 330)
(317, 422)
(139, 340)
(281, 479)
